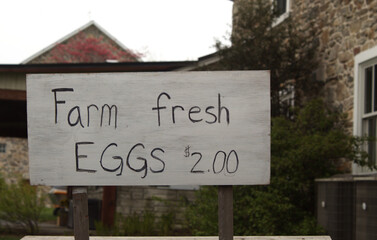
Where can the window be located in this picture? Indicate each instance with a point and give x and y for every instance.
(2, 147)
(365, 102)
(370, 109)
(282, 8)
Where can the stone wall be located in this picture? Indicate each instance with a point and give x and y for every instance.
(14, 161)
(345, 28)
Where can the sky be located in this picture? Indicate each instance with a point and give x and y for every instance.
(162, 30)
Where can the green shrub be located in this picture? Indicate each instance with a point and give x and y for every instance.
(201, 215)
(165, 224)
(47, 215)
(20, 203)
(302, 149)
(10, 237)
(115, 230)
(141, 224)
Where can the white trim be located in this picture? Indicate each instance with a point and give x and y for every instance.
(368, 115)
(281, 18)
(44, 50)
(285, 15)
(361, 61)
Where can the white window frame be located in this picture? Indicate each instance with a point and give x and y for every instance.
(362, 61)
(285, 15)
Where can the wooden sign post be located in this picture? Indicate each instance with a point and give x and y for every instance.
(80, 213)
(225, 212)
(175, 128)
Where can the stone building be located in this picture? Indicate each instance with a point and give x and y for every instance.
(14, 162)
(347, 55)
(89, 44)
(346, 51)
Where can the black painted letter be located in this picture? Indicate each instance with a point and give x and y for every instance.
(145, 164)
(78, 119)
(220, 110)
(159, 159)
(78, 169)
(61, 101)
(110, 111)
(192, 111)
(158, 106)
(115, 158)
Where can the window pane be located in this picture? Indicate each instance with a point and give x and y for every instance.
(368, 90)
(370, 131)
(281, 6)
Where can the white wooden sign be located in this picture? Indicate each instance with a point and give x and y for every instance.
(175, 128)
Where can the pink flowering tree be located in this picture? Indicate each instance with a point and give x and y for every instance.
(89, 49)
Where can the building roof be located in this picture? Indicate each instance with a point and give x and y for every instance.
(95, 67)
(84, 29)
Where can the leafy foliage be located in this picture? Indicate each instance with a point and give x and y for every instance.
(47, 215)
(20, 203)
(140, 224)
(302, 149)
(312, 143)
(10, 237)
(87, 48)
(285, 50)
(201, 214)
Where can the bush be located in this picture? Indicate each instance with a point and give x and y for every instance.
(302, 149)
(201, 215)
(141, 224)
(20, 203)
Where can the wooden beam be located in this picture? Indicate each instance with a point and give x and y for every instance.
(225, 199)
(94, 67)
(16, 95)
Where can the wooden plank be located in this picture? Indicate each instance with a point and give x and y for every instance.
(225, 212)
(176, 128)
(15, 95)
(183, 238)
(108, 205)
(80, 213)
